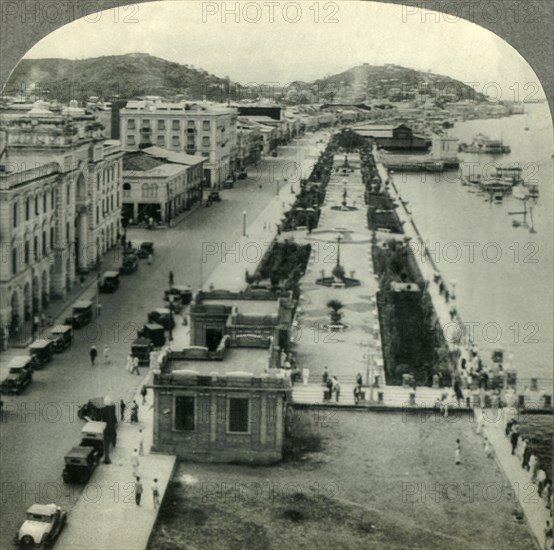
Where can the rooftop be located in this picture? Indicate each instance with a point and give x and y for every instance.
(248, 307)
(173, 157)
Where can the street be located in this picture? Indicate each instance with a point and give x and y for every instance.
(41, 425)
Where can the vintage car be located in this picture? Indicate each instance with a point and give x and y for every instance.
(141, 349)
(91, 410)
(41, 352)
(153, 332)
(129, 263)
(81, 314)
(174, 303)
(16, 375)
(41, 528)
(109, 282)
(184, 293)
(145, 249)
(229, 183)
(242, 175)
(162, 316)
(62, 337)
(214, 196)
(81, 461)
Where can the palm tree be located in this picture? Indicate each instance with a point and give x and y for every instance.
(335, 306)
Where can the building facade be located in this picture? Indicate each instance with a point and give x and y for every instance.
(159, 185)
(60, 203)
(205, 129)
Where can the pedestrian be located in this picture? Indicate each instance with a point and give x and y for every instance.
(135, 367)
(171, 278)
(325, 375)
(526, 455)
(357, 392)
(149, 259)
(514, 438)
(122, 410)
(330, 388)
(36, 324)
(336, 388)
(138, 491)
(305, 375)
(480, 424)
(457, 452)
(141, 442)
(533, 466)
(143, 392)
(156, 493)
(135, 462)
(134, 412)
(489, 453)
(458, 391)
(541, 481)
(129, 363)
(98, 309)
(106, 354)
(93, 353)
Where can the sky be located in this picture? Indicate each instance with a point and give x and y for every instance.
(262, 42)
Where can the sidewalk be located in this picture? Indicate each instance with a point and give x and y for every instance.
(106, 515)
(532, 505)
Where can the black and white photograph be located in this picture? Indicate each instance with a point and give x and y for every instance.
(276, 275)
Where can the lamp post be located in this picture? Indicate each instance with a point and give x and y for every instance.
(339, 239)
(170, 338)
(244, 223)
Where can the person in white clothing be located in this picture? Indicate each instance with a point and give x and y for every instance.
(305, 375)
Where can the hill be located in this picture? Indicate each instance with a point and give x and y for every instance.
(139, 74)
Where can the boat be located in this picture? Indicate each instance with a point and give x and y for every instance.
(484, 144)
(512, 173)
(495, 185)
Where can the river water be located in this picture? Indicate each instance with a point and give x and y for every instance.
(502, 275)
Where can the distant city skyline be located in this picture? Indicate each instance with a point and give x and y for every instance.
(248, 48)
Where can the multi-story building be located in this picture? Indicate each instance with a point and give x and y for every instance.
(207, 129)
(60, 197)
(249, 143)
(160, 184)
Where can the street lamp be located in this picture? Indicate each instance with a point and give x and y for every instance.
(244, 223)
(339, 239)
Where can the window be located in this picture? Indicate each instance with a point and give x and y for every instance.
(206, 125)
(239, 415)
(67, 232)
(27, 208)
(131, 139)
(191, 127)
(15, 209)
(52, 239)
(97, 215)
(126, 189)
(161, 124)
(149, 190)
(131, 124)
(161, 141)
(206, 155)
(184, 413)
(44, 243)
(27, 252)
(146, 123)
(111, 202)
(52, 199)
(14, 260)
(176, 125)
(36, 205)
(205, 141)
(45, 202)
(68, 193)
(36, 248)
(175, 141)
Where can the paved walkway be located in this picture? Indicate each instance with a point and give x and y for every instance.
(106, 515)
(532, 505)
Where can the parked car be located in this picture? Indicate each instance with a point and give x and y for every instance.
(214, 196)
(229, 183)
(162, 316)
(129, 264)
(145, 249)
(16, 375)
(183, 292)
(242, 175)
(81, 314)
(41, 528)
(91, 410)
(110, 281)
(82, 460)
(62, 337)
(154, 333)
(41, 352)
(141, 349)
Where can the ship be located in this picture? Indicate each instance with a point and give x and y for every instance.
(484, 144)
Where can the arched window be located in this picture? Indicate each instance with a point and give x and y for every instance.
(27, 208)
(45, 201)
(36, 205)
(36, 249)
(27, 252)
(126, 189)
(15, 211)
